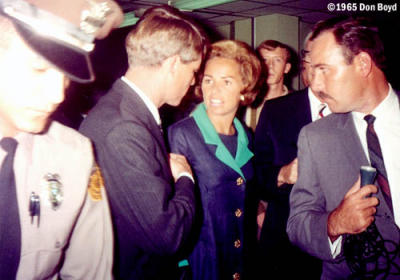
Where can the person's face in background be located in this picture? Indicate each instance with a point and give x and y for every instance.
(276, 62)
(30, 89)
(221, 87)
(306, 73)
(334, 81)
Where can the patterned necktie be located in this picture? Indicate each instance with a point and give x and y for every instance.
(10, 229)
(376, 158)
(322, 107)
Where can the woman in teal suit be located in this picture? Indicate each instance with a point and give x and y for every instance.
(218, 148)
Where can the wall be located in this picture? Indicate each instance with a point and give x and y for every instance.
(286, 29)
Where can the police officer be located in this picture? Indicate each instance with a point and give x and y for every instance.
(54, 216)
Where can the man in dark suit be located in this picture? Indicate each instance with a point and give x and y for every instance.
(151, 192)
(276, 162)
(329, 209)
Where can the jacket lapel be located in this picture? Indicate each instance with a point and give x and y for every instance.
(355, 153)
(302, 109)
(351, 142)
(211, 137)
(134, 109)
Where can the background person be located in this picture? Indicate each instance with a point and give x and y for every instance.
(275, 149)
(276, 57)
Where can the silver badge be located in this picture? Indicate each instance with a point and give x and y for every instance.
(52, 190)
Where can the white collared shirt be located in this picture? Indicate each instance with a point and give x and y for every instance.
(387, 127)
(147, 101)
(315, 106)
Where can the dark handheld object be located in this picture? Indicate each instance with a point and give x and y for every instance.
(367, 174)
(366, 253)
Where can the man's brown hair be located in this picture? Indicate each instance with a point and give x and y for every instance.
(163, 32)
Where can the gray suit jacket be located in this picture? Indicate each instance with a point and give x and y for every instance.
(152, 216)
(330, 156)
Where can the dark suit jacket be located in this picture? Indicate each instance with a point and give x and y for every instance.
(276, 136)
(222, 189)
(151, 216)
(330, 157)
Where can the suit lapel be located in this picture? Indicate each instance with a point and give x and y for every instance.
(351, 142)
(355, 153)
(133, 108)
(302, 108)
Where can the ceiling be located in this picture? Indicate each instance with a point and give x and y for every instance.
(309, 11)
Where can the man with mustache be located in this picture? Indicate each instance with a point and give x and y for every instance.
(331, 215)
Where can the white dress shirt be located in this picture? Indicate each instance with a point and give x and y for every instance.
(147, 101)
(387, 128)
(315, 106)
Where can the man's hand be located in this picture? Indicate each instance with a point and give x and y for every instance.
(113, 20)
(355, 213)
(288, 174)
(179, 165)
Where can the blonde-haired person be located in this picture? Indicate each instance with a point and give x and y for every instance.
(218, 148)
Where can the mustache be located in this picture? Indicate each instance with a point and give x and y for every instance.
(322, 95)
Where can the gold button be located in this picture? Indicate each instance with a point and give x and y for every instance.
(238, 213)
(239, 181)
(237, 243)
(236, 276)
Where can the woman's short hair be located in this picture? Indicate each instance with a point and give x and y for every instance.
(163, 32)
(249, 66)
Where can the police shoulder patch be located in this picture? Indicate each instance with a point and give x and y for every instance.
(96, 182)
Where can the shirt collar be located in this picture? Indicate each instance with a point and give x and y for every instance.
(285, 90)
(315, 105)
(385, 110)
(149, 104)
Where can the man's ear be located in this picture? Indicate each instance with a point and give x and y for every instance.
(170, 64)
(288, 66)
(363, 63)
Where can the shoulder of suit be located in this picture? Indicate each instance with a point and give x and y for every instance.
(286, 99)
(283, 106)
(328, 123)
(186, 127)
(184, 123)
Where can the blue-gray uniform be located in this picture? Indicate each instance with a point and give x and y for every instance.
(71, 237)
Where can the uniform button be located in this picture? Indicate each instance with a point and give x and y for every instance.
(236, 276)
(239, 181)
(238, 213)
(237, 243)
